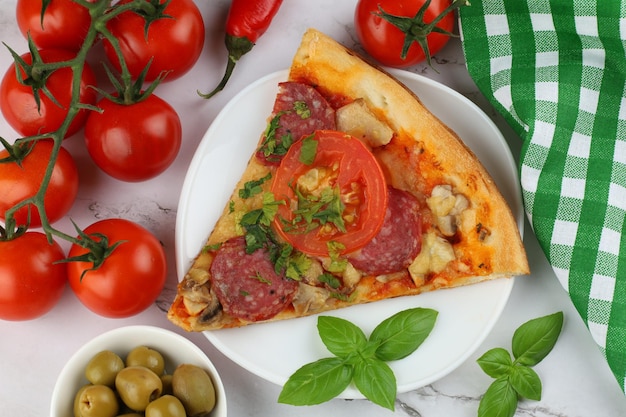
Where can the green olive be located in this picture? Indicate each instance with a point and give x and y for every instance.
(137, 386)
(77, 400)
(129, 415)
(166, 406)
(146, 357)
(192, 385)
(103, 367)
(96, 401)
(166, 379)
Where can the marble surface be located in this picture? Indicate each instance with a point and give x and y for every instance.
(576, 380)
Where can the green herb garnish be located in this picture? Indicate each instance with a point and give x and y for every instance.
(274, 148)
(330, 280)
(316, 210)
(252, 188)
(302, 109)
(257, 276)
(532, 342)
(337, 263)
(359, 359)
(308, 150)
(257, 223)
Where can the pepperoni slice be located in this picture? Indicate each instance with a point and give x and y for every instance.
(247, 285)
(300, 110)
(399, 240)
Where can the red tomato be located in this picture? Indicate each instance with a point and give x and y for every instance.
(20, 109)
(131, 277)
(134, 142)
(340, 161)
(175, 41)
(384, 41)
(31, 283)
(65, 23)
(18, 183)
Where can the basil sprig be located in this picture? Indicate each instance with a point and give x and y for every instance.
(514, 378)
(359, 359)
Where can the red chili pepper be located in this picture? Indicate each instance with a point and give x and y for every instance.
(247, 20)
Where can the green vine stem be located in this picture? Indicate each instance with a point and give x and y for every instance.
(101, 11)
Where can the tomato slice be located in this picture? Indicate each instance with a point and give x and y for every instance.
(334, 190)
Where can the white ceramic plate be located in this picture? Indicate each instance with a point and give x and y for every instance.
(274, 351)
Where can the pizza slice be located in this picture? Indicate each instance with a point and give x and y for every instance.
(356, 193)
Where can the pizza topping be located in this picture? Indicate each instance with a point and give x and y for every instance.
(340, 197)
(299, 110)
(436, 253)
(247, 284)
(446, 207)
(399, 240)
(358, 120)
(310, 299)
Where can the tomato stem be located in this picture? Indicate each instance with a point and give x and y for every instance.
(416, 30)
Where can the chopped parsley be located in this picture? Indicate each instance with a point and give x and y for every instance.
(261, 278)
(272, 147)
(330, 280)
(337, 264)
(257, 223)
(252, 188)
(302, 109)
(308, 150)
(314, 211)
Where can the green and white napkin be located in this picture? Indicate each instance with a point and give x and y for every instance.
(556, 70)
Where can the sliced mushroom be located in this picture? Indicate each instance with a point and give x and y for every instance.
(358, 120)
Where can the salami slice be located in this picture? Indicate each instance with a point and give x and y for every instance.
(399, 240)
(301, 110)
(247, 285)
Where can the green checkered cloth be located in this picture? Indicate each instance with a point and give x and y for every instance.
(556, 70)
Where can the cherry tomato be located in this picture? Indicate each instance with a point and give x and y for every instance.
(340, 162)
(65, 23)
(134, 142)
(31, 283)
(18, 183)
(130, 278)
(384, 41)
(20, 108)
(174, 41)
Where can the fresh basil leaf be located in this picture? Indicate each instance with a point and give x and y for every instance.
(341, 337)
(401, 334)
(533, 340)
(317, 382)
(526, 382)
(500, 400)
(496, 362)
(308, 150)
(376, 381)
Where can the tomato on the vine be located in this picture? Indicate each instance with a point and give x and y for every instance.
(21, 181)
(19, 106)
(65, 23)
(130, 278)
(32, 279)
(173, 42)
(384, 41)
(134, 142)
(334, 190)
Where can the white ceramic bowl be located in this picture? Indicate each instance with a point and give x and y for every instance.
(175, 350)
